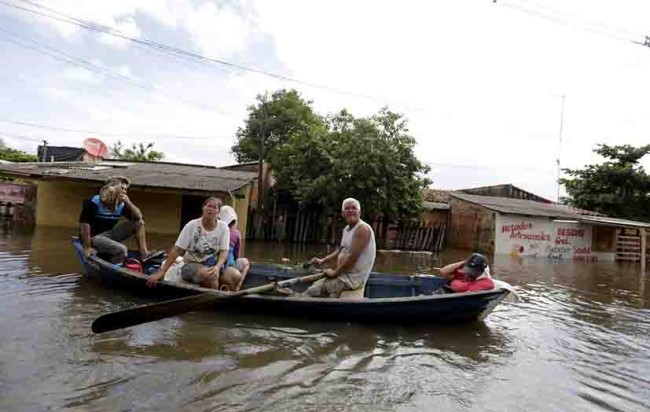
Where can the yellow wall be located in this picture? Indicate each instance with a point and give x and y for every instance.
(58, 204)
(161, 211)
(241, 207)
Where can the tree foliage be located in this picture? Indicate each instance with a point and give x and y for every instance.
(619, 187)
(13, 155)
(371, 159)
(283, 114)
(140, 152)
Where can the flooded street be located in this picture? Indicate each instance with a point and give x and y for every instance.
(579, 340)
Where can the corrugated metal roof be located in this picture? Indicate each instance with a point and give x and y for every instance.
(518, 206)
(612, 221)
(155, 175)
(436, 206)
(505, 190)
(552, 210)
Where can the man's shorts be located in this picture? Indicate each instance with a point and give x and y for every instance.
(327, 288)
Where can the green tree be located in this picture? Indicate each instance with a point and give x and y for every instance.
(140, 152)
(276, 117)
(371, 159)
(13, 155)
(619, 187)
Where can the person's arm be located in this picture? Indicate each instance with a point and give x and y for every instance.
(359, 242)
(171, 258)
(448, 271)
(84, 228)
(179, 249)
(332, 256)
(133, 212)
(224, 245)
(221, 260)
(235, 252)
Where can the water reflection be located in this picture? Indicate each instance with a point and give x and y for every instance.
(578, 340)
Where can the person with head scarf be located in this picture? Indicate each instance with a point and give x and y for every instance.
(237, 266)
(469, 275)
(100, 228)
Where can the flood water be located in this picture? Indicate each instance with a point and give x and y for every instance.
(577, 341)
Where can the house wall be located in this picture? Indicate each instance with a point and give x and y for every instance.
(434, 216)
(538, 236)
(161, 211)
(471, 227)
(267, 177)
(604, 239)
(59, 205)
(240, 203)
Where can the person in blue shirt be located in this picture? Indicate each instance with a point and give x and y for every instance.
(100, 229)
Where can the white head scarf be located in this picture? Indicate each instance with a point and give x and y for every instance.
(227, 214)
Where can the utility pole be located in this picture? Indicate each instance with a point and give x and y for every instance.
(260, 177)
(44, 155)
(559, 149)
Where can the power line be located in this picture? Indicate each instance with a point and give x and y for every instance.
(562, 18)
(592, 22)
(185, 54)
(19, 136)
(110, 134)
(75, 61)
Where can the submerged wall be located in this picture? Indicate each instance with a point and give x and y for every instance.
(58, 204)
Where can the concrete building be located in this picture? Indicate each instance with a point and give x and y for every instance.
(169, 194)
(520, 227)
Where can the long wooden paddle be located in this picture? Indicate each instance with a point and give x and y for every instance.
(161, 310)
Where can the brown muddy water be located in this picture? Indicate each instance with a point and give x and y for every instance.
(577, 341)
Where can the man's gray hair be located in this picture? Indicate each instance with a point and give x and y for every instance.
(351, 200)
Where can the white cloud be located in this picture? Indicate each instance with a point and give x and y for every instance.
(125, 71)
(79, 74)
(488, 76)
(478, 81)
(218, 30)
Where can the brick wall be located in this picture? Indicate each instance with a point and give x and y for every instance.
(472, 227)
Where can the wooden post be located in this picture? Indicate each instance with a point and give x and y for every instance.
(643, 248)
(296, 225)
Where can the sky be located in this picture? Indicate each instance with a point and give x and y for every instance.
(481, 82)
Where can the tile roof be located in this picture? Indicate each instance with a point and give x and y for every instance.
(435, 195)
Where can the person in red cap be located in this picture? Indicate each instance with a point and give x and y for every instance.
(469, 275)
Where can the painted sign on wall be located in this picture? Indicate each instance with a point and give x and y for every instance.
(16, 194)
(542, 237)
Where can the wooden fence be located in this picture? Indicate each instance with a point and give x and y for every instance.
(312, 227)
(415, 235)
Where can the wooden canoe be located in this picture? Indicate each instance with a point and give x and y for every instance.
(387, 297)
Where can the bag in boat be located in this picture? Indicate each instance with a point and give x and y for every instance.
(133, 264)
(174, 272)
